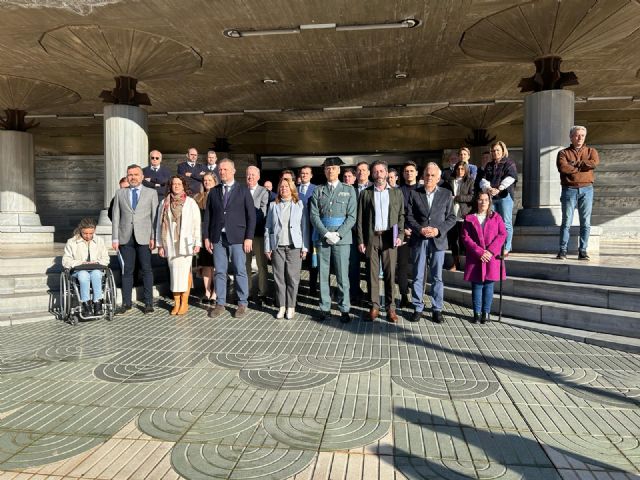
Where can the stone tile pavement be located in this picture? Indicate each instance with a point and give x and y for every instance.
(160, 397)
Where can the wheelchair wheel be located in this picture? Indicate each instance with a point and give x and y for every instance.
(65, 296)
(110, 294)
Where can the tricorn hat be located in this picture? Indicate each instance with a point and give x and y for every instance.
(332, 161)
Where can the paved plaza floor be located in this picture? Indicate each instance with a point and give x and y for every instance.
(161, 397)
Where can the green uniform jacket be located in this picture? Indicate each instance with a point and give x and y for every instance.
(367, 214)
(341, 203)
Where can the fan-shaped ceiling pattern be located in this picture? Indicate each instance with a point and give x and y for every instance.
(220, 126)
(480, 117)
(28, 94)
(121, 51)
(567, 28)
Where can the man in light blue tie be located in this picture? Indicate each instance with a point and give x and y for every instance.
(134, 214)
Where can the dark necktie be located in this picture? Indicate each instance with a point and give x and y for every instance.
(225, 197)
(88, 253)
(134, 198)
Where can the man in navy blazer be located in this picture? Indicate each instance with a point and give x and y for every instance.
(193, 170)
(155, 175)
(430, 216)
(305, 191)
(229, 226)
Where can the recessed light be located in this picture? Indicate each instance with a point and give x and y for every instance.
(400, 75)
(269, 81)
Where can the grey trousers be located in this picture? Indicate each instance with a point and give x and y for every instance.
(382, 246)
(286, 264)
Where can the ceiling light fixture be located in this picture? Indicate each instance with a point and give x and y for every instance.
(489, 103)
(400, 75)
(269, 81)
(28, 117)
(627, 98)
(222, 114)
(187, 112)
(264, 110)
(408, 23)
(236, 33)
(355, 107)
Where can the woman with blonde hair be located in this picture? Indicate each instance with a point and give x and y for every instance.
(204, 258)
(179, 237)
(81, 252)
(286, 243)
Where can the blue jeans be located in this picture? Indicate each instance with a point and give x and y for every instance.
(569, 197)
(423, 253)
(482, 296)
(222, 252)
(86, 277)
(504, 206)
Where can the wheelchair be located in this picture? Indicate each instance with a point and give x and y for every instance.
(70, 304)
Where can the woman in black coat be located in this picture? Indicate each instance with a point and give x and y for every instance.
(461, 185)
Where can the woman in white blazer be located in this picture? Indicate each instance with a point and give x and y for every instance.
(286, 243)
(82, 250)
(179, 237)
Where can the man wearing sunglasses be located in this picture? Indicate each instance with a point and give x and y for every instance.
(155, 175)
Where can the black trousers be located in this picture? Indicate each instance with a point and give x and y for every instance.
(132, 251)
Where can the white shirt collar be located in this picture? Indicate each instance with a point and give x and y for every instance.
(333, 184)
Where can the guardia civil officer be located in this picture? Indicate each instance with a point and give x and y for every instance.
(333, 208)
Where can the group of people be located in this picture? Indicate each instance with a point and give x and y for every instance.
(203, 212)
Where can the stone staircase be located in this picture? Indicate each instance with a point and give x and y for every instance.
(598, 298)
(29, 284)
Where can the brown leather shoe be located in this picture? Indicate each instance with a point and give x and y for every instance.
(216, 311)
(392, 316)
(373, 314)
(241, 311)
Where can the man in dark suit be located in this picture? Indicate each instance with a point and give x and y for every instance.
(410, 175)
(229, 225)
(430, 217)
(260, 197)
(193, 170)
(133, 234)
(305, 191)
(155, 175)
(380, 227)
(211, 166)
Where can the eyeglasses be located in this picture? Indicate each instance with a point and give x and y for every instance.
(155, 158)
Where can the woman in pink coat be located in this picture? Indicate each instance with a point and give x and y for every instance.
(483, 234)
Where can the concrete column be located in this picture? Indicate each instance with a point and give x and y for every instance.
(548, 117)
(19, 222)
(125, 142)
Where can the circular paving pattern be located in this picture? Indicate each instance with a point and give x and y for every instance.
(259, 399)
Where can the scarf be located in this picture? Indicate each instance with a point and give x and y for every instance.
(175, 204)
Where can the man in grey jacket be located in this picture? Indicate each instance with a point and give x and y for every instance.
(134, 215)
(260, 201)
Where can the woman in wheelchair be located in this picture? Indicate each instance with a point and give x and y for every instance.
(179, 237)
(82, 252)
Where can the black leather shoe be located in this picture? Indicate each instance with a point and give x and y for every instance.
(87, 311)
(561, 255)
(437, 317)
(476, 317)
(405, 302)
(345, 317)
(415, 317)
(485, 318)
(147, 309)
(124, 309)
(324, 316)
(97, 309)
(583, 256)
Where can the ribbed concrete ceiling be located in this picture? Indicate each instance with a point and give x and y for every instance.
(314, 69)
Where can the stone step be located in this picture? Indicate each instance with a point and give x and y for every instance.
(613, 322)
(26, 304)
(583, 272)
(602, 296)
